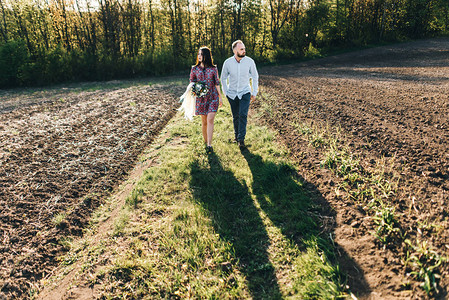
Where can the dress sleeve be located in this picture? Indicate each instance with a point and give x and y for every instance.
(192, 75)
(216, 79)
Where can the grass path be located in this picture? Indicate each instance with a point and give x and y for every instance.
(234, 224)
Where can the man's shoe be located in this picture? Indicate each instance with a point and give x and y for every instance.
(241, 144)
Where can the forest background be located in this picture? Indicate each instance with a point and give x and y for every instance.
(50, 41)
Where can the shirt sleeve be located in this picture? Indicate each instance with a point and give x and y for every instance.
(255, 78)
(223, 78)
(192, 75)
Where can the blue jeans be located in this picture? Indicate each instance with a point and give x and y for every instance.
(239, 108)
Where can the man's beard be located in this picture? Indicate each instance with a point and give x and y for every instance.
(241, 55)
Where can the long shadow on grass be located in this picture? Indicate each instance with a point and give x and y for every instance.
(284, 199)
(237, 221)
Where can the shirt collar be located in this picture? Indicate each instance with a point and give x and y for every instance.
(240, 60)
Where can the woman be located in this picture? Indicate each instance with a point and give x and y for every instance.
(207, 106)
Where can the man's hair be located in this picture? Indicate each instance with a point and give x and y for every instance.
(235, 43)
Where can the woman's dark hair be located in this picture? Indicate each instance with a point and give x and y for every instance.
(208, 61)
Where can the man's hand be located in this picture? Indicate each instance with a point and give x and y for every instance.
(220, 102)
(253, 98)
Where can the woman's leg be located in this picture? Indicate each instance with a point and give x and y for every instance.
(210, 127)
(204, 127)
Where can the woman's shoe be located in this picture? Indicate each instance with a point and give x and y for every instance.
(209, 149)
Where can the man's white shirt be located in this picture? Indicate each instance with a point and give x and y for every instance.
(235, 77)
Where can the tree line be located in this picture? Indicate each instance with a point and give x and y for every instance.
(50, 41)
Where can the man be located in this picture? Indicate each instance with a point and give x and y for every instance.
(235, 78)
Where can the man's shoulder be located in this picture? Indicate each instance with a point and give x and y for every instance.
(249, 59)
(228, 59)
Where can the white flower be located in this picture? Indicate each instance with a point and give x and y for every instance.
(200, 89)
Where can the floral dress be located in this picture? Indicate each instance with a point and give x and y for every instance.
(209, 102)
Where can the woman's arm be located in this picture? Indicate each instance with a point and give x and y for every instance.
(220, 100)
(192, 75)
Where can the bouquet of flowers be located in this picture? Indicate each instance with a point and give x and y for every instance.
(200, 89)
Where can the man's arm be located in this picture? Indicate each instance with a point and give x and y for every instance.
(255, 81)
(224, 77)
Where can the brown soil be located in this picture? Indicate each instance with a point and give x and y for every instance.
(391, 102)
(74, 286)
(62, 152)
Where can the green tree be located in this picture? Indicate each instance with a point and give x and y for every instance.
(13, 57)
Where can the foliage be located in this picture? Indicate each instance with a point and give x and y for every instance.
(387, 229)
(45, 42)
(13, 57)
(311, 51)
(425, 263)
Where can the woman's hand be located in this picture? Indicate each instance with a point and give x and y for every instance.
(220, 98)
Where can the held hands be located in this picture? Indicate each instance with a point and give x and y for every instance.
(253, 98)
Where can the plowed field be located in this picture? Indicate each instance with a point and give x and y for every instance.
(390, 104)
(61, 152)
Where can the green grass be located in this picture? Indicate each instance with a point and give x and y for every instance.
(424, 263)
(387, 231)
(222, 226)
(58, 219)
